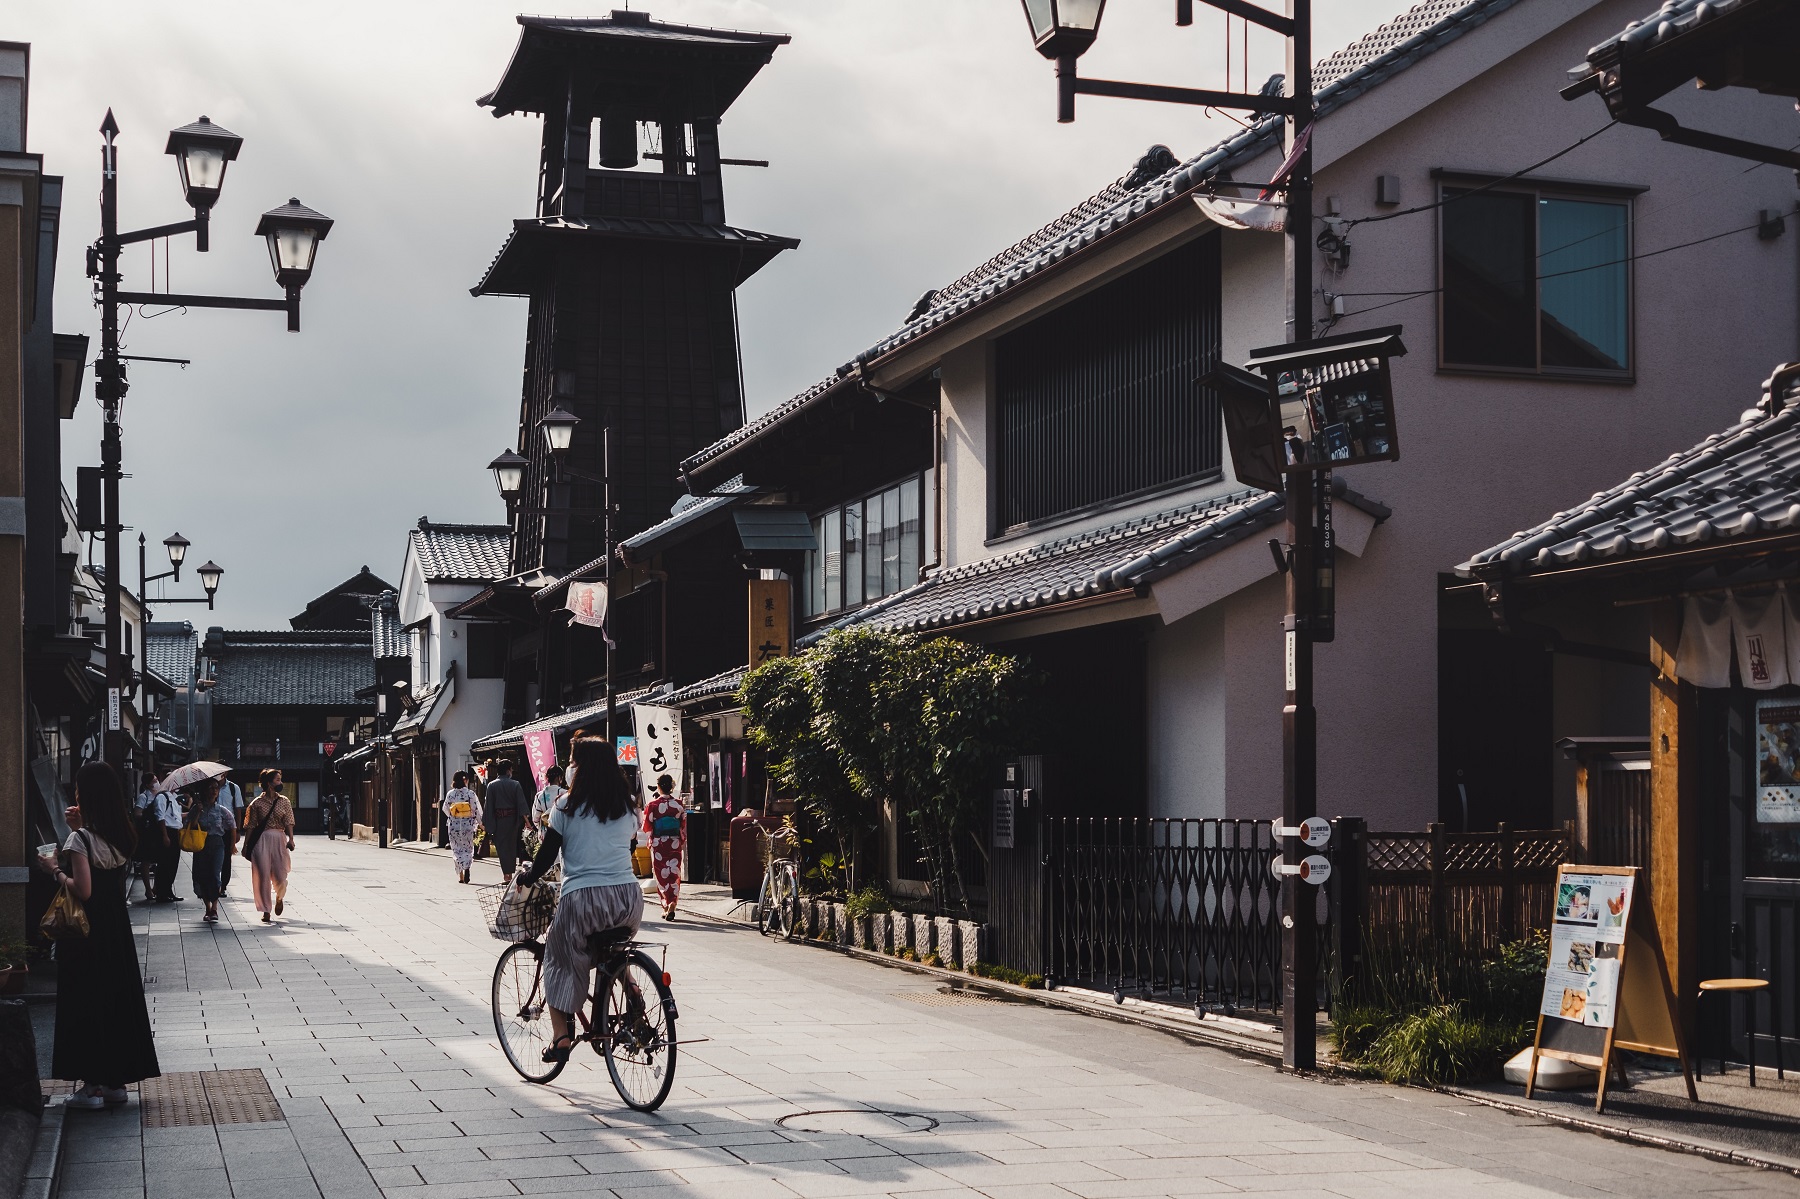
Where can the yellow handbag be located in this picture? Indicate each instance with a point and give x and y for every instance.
(193, 839)
(640, 861)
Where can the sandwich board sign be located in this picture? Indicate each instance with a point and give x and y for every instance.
(1606, 985)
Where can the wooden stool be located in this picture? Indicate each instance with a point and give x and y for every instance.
(1747, 987)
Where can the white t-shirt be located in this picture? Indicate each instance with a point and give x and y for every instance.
(595, 852)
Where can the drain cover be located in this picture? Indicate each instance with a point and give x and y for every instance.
(949, 997)
(858, 1122)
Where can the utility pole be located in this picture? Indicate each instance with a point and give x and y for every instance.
(606, 544)
(1299, 722)
(110, 386)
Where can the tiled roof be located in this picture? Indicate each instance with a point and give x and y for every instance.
(646, 542)
(1738, 484)
(314, 668)
(1337, 80)
(1666, 21)
(1111, 559)
(462, 553)
(170, 649)
(724, 683)
(388, 638)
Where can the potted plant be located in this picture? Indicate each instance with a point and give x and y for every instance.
(14, 969)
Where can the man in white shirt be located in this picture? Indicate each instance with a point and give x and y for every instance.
(231, 797)
(168, 862)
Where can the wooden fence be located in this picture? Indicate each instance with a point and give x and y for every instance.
(1477, 891)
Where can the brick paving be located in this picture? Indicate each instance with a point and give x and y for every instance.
(366, 1009)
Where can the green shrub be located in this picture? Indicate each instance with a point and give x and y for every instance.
(932, 959)
(870, 901)
(1006, 974)
(1443, 1045)
(1354, 1030)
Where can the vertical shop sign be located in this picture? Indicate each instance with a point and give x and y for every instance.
(771, 634)
(659, 744)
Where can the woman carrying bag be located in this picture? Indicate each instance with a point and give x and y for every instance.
(269, 843)
(211, 836)
(103, 1037)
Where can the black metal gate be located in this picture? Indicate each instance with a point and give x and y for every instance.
(1182, 908)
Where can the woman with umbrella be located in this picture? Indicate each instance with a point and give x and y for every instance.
(212, 818)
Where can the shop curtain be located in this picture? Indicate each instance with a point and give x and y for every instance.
(1703, 657)
(1760, 634)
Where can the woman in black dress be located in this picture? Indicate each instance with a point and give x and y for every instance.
(103, 1037)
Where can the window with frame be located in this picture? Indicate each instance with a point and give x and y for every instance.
(871, 547)
(1535, 282)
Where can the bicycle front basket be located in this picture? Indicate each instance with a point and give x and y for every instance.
(518, 915)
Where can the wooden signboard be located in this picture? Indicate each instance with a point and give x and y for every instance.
(771, 634)
(1606, 986)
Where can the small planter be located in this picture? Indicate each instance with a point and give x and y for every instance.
(13, 976)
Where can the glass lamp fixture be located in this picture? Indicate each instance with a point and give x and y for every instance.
(509, 474)
(177, 545)
(293, 232)
(559, 429)
(210, 574)
(1064, 28)
(201, 151)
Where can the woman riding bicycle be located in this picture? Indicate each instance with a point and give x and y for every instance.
(592, 827)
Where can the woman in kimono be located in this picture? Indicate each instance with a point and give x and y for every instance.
(462, 813)
(665, 824)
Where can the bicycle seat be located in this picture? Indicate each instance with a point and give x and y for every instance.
(600, 945)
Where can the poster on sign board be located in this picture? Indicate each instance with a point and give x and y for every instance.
(1777, 762)
(1587, 935)
(659, 744)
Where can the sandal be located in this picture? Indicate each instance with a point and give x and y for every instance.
(558, 1052)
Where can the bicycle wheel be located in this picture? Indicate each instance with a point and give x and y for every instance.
(785, 903)
(763, 910)
(521, 1014)
(637, 1016)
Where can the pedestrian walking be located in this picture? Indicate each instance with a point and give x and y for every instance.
(268, 844)
(503, 816)
(231, 798)
(592, 828)
(334, 811)
(103, 1038)
(665, 828)
(171, 816)
(210, 815)
(150, 839)
(545, 800)
(462, 812)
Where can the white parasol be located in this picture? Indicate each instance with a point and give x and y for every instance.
(193, 772)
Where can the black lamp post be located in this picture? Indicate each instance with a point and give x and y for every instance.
(558, 427)
(177, 545)
(1063, 30)
(201, 151)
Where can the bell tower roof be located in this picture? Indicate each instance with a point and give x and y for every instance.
(642, 69)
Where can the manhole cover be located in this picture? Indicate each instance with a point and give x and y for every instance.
(858, 1122)
(949, 997)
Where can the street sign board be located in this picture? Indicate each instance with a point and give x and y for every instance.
(1314, 831)
(112, 709)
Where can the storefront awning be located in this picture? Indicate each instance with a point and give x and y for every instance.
(588, 715)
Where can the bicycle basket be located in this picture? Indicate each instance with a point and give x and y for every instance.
(515, 915)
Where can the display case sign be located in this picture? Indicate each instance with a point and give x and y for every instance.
(1777, 762)
(1581, 980)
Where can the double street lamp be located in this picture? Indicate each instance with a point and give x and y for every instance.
(202, 152)
(177, 546)
(558, 429)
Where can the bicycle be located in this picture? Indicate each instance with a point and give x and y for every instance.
(633, 1022)
(778, 901)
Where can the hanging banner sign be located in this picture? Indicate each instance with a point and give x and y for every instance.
(627, 751)
(1606, 985)
(771, 633)
(587, 606)
(659, 744)
(540, 751)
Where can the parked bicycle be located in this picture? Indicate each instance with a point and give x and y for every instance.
(778, 902)
(629, 1017)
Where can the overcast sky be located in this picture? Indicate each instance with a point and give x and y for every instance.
(909, 142)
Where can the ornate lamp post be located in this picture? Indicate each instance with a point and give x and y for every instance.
(202, 152)
(177, 545)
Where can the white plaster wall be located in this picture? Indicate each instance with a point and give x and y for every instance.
(965, 380)
(1187, 692)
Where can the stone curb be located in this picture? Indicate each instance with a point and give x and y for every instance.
(40, 1181)
(1696, 1146)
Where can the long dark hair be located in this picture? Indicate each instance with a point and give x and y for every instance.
(101, 797)
(599, 785)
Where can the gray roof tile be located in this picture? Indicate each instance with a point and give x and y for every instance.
(170, 649)
(310, 668)
(1741, 483)
(388, 638)
(463, 553)
(724, 683)
(1115, 558)
(1664, 22)
(1338, 79)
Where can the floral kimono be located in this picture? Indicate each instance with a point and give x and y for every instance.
(462, 812)
(665, 825)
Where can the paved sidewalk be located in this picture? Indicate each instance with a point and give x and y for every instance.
(366, 1011)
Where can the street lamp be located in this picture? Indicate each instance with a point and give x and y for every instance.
(1064, 28)
(177, 546)
(558, 426)
(201, 151)
(293, 232)
(210, 574)
(509, 474)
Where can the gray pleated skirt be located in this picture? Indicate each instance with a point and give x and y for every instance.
(567, 966)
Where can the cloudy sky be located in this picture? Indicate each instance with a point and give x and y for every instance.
(909, 142)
